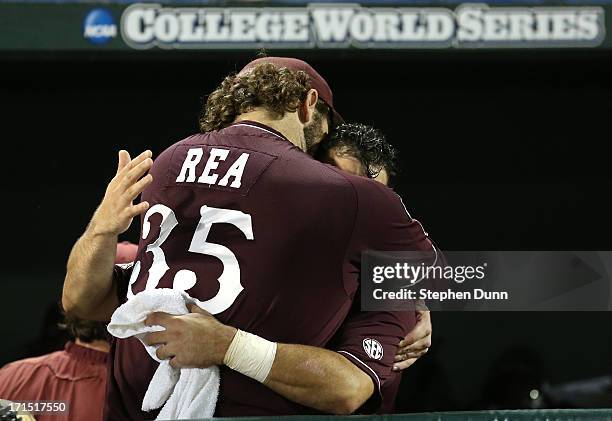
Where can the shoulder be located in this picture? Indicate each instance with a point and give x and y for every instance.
(298, 168)
(27, 365)
(23, 379)
(376, 199)
(383, 222)
(166, 155)
(370, 198)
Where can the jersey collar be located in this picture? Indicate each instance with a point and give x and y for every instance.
(260, 126)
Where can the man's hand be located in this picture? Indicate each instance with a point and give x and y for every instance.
(115, 213)
(196, 339)
(415, 344)
(314, 377)
(90, 292)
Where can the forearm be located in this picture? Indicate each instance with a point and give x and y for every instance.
(89, 290)
(319, 378)
(314, 377)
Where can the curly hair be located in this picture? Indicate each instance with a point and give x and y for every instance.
(278, 89)
(363, 142)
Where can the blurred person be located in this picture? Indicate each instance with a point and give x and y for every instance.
(256, 117)
(76, 375)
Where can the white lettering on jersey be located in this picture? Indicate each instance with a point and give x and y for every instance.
(209, 176)
(213, 164)
(194, 156)
(230, 286)
(235, 171)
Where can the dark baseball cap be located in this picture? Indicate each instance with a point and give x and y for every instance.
(316, 80)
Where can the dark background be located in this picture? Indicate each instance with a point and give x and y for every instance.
(499, 151)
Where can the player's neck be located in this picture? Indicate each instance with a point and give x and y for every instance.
(289, 125)
(98, 345)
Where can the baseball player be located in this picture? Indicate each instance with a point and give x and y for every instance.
(238, 204)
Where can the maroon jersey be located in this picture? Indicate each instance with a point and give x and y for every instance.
(267, 239)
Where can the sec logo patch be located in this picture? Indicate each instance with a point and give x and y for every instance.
(373, 348)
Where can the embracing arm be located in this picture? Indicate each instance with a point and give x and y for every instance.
(314, 377)
(89, 290)
(319, 378)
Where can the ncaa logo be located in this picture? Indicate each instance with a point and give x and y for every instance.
(373, 348)
(99, 26)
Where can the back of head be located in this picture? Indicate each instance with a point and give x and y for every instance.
(85, 330)
(364, 143)
(268, 86)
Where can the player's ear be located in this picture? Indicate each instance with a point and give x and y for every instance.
(308, 106)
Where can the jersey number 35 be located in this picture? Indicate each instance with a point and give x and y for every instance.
(229, 281)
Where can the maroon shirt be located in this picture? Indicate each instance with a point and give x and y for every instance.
(76, 375)
(269, 240)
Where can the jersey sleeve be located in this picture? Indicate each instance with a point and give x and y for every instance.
(369, 339)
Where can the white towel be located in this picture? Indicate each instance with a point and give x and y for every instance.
(187, 393)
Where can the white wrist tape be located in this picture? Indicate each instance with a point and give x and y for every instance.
(250, 355)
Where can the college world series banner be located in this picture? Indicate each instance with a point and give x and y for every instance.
(147, 26)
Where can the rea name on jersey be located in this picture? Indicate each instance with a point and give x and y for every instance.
(266, 239)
